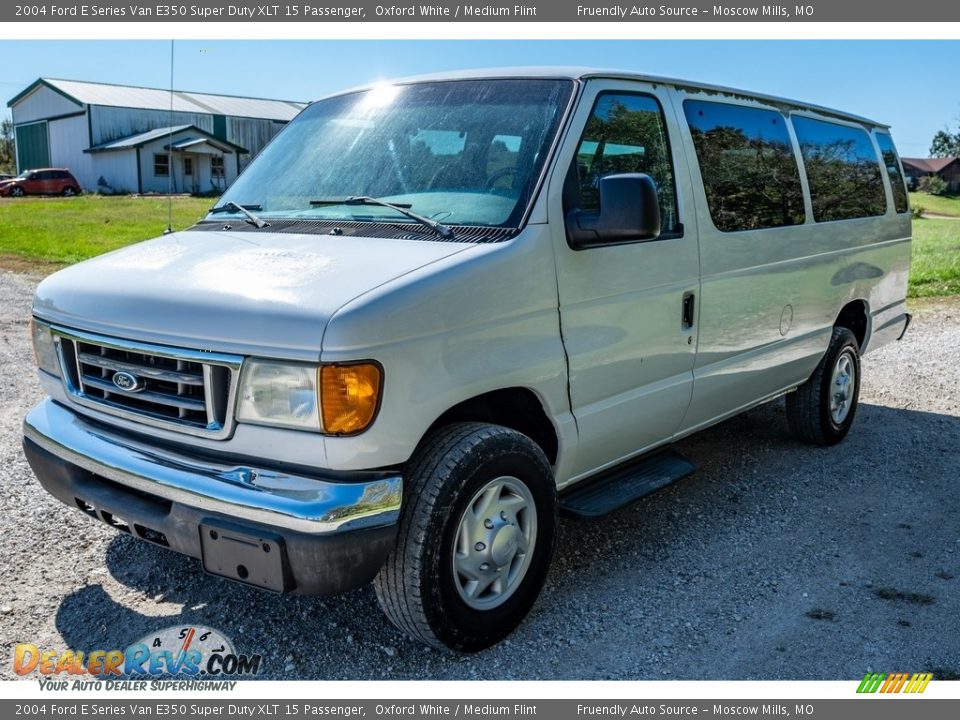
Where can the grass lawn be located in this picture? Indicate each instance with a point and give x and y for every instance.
(42, 234)
(57, 231)
(938, 204)
(935, 265)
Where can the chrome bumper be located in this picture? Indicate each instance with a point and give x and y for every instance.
(308, 504)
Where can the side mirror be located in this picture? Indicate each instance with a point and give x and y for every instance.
(629, 211)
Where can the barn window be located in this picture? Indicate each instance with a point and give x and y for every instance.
(216, 165)
(161, 165)
(188, 166)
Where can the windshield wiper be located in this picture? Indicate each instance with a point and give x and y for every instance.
(403, 208)
(245, 209)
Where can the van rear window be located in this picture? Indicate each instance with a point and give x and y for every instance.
(749, 170)
(892, 162)
(842, 169)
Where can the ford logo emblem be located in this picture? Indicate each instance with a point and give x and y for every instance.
(127, 382)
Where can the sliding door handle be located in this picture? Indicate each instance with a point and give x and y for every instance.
(686, 319)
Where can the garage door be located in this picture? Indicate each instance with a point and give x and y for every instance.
(33, 149)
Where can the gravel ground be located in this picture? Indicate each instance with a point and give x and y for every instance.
(774, 560)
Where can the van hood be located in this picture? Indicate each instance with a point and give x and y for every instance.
(261, 293)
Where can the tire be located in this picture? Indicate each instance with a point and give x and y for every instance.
(445, 532)
(815, 412)
(70, 192)
(17, 191)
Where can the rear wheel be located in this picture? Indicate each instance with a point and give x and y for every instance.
(821, 410)
(475, 540)
(69, 191)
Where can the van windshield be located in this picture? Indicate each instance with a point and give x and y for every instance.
(459, 153)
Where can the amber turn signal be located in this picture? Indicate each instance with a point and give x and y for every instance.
(349, 397)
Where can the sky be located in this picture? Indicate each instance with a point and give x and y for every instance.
(910, 85)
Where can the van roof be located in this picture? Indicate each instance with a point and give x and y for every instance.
(584, 73)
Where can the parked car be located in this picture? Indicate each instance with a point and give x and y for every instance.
(45, 181)
(431, 315)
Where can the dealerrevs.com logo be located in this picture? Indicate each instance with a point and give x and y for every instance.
(194, 651)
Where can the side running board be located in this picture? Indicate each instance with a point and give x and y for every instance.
(622, 485)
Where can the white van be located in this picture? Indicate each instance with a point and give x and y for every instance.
(435, 313)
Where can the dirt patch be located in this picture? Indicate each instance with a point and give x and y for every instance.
(28, 266)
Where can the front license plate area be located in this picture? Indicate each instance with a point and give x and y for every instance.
(258, 559)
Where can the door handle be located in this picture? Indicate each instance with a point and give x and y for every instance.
(686, 317)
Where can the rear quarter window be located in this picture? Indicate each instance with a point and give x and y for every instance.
(843, 170)
(891, 162)
(749, 170)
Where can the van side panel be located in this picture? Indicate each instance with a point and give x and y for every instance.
(770, 297)
(621, 306)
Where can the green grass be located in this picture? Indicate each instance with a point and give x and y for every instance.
(939, 204)
(67, 230)
(41, 234)
(935, 265)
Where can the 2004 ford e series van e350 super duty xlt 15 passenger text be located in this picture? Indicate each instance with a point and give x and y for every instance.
(434, 314)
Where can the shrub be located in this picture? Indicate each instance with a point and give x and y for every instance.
(933, 184)
(916, 211)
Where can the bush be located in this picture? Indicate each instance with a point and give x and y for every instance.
(933, 184)
(916, 211)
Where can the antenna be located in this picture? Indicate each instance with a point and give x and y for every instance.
(170, 153)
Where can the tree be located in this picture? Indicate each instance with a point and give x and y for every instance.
(8, 163)
(945, 144)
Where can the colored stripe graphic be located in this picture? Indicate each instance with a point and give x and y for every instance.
(894, 683)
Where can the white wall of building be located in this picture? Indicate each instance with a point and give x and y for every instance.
(42, 103)
(113, 123)
(118, 168)
(68, 138)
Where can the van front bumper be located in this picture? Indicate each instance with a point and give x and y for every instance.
(307, 533)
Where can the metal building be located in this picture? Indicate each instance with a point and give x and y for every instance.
(117, 138)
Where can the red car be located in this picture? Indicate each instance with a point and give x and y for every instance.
(45, 181)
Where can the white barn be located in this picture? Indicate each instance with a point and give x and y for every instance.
(118, 138)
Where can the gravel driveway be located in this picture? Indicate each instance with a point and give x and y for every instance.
(774, 560)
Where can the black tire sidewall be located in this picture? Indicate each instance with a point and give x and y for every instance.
(832, 431)
(455, 623)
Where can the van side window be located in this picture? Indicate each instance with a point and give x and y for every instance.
(842, 169)
(892, 162)
(626, 133)
(749, 170)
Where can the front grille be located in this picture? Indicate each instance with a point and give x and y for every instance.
(185, 390)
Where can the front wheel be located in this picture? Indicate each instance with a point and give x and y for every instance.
(16, 191)
(476, 537)
(821, 410)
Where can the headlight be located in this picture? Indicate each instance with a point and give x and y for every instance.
(334, 399)
(275, 393)
(349, 397)
(44, 347)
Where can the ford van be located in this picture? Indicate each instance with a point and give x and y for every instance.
(435, 314)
